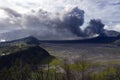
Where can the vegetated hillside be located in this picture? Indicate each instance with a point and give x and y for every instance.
(32, 55)
(17, 45)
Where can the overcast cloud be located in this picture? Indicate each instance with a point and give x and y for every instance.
(58, 15)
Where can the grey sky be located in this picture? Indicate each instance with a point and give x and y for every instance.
(106, 10)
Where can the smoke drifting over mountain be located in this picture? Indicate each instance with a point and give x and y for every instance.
(42, 23)
(64, 23)
(95, 27)
(46, 25)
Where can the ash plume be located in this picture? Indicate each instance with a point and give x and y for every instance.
(73, 20)
(47, 25)
(67, 23)
(95, 27)
(43, 24)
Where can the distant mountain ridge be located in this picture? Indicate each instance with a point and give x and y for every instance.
(110, 37)
(99, 39)
(28, 40)
(35, 41)
(23, 33)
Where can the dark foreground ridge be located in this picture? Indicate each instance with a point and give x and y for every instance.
(32, 55)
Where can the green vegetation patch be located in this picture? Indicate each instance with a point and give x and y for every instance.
(52, 61)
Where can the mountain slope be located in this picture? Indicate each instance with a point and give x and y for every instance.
(99, 39)
(32, 55)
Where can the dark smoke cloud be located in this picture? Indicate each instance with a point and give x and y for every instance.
(95, 27)
(46, 25)
(74, 20)
(70, 22)
(43, 24)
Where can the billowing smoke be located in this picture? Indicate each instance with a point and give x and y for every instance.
(43, 24)
(95, 27)
(73, 20)
(66, 23)
(46, 25)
